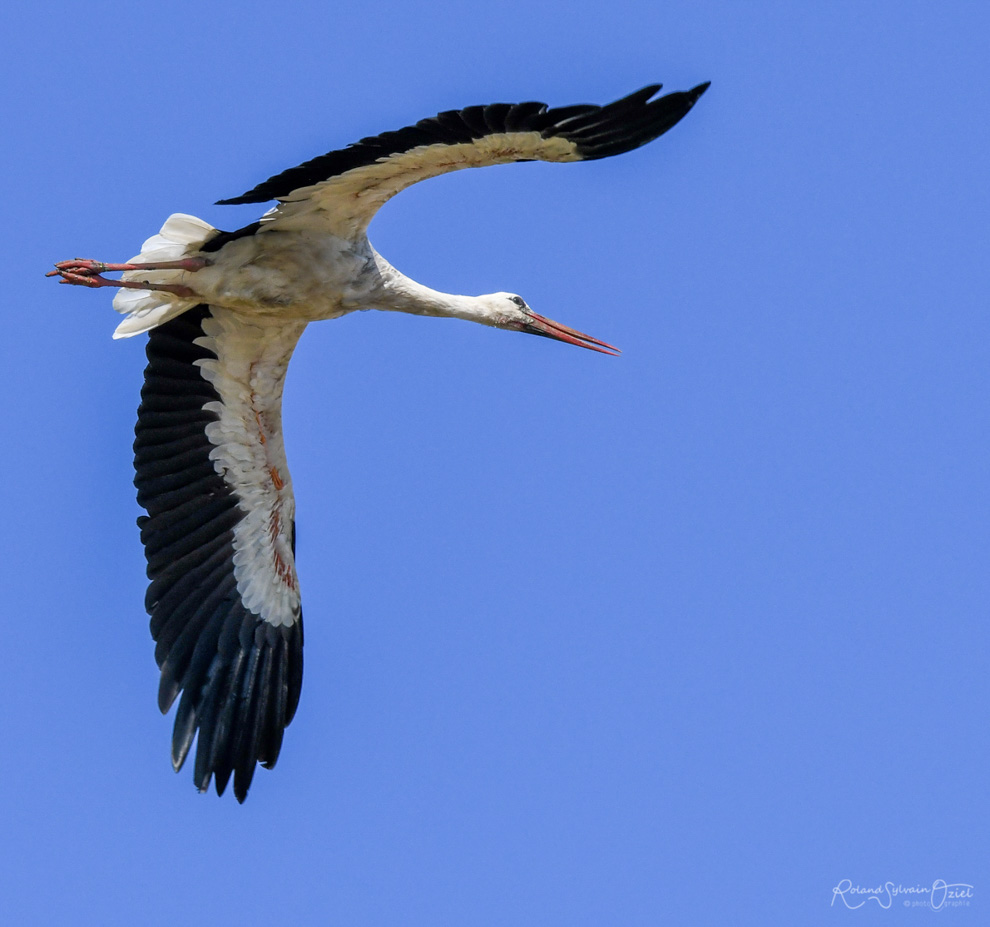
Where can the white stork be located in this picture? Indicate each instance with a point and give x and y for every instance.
(224, 311)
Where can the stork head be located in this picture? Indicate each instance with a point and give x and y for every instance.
(511, 312)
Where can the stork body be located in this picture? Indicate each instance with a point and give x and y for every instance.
(291, 275)
(224, 312)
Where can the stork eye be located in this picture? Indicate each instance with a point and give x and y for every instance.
(519, 301)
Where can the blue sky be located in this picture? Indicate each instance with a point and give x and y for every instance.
(688, 636)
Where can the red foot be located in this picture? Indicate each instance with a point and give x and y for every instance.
(78, 267)
(88, 278)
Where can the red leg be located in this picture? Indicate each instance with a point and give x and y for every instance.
(82, 267)
(96, 280)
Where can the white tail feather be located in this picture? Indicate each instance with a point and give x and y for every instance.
(147, 319)
(180, 236)
(181, 229)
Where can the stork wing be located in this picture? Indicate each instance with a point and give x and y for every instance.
(219, 538)
(342, 190)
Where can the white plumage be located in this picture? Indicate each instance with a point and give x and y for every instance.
(248, 450)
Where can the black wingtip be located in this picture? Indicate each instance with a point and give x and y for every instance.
(699, 90)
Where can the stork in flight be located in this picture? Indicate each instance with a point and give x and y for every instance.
(224, 311)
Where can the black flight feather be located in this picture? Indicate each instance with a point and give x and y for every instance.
(596, 131)
(239, 676)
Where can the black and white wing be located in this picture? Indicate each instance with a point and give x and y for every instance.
(219, 539)
(342, 190)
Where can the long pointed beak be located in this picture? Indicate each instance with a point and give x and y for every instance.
(547, 328)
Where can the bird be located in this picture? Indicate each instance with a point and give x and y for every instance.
(223, 312)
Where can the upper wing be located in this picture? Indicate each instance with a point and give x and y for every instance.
(343, 190)
(219, 538)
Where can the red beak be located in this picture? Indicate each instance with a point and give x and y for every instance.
(547, 328)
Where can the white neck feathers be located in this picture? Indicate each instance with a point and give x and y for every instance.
(403, 294)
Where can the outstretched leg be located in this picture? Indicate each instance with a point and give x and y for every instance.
(83, 272)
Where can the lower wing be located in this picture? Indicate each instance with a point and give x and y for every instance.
(219, 537)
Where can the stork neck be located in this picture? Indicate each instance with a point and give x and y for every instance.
(403, 294)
